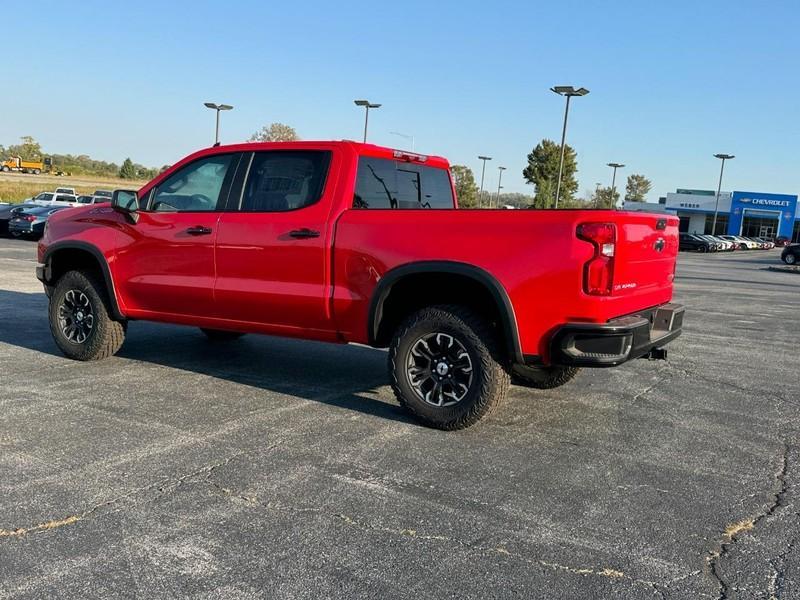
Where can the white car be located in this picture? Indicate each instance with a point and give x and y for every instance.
(726, 244)
(70, 191)
(54, 199)
(741, 242)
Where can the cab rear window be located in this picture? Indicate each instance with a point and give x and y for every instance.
(383, 183)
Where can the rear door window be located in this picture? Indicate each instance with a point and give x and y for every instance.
(284, 180)
(384, 183)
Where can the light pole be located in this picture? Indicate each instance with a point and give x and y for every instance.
(614, 166)
(499, 179)
(406, 136)
(723, 158)
(367, 105)
(483, 172)
(217, 107)
(569, 92)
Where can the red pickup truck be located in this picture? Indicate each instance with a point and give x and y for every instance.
(347, 242)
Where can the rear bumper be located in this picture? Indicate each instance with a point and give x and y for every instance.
(617, 341)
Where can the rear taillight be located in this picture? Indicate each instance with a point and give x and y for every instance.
(30, 218)
(598, 273)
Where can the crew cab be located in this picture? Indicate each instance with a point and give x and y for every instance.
(355, 243)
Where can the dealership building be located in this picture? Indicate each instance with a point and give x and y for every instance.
(751, 214)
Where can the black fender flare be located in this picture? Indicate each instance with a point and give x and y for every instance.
(101, 261)
(496, 290)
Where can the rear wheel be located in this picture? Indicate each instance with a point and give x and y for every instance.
(80, 318)
(790, 259)
(542, 378)
(220, 335)
(701, 248)
(446, 367)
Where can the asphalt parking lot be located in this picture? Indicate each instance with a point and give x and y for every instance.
(282, 469)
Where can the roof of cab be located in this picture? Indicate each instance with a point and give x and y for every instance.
(359, 147)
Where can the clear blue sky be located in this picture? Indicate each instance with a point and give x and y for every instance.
(671, 82)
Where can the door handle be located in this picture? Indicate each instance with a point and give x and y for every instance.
(198, 230)
(304, 233)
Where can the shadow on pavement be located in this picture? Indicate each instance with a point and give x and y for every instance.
(329, 373)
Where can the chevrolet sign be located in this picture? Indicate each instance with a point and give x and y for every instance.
(765, 202)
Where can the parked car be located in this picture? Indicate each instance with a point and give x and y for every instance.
(92, 199)
(782, 241)
(766, 244)
(66, 190)
(103, 194)
(691, 241)
(350, 242)
(717, 245)
(9, 212)
(30, 222)
(726, 245)
(741, 242)
(54, 199)
(791, 254)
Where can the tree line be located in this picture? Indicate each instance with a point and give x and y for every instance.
(30, 149)
(542, 173)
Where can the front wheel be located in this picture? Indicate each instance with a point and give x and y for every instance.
(542, 378)
(446, 367)
(80, 319)
(790, 259)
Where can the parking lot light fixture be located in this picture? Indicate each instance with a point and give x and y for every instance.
(499, 187)
(614, 166)
(723, 158)
(218, 108)
(367, 105)
(568, 91)
(483, 172)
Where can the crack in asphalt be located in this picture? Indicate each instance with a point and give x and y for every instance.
(162, 486)
(409, 533)
(732, 533)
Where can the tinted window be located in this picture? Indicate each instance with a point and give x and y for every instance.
(384, 183)
(284, 180)
(85, 199)
(44, 196)
(64, 198)
(194, 188)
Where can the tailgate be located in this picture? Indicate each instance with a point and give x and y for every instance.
(647, 248)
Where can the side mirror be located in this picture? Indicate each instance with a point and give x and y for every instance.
(127, 203)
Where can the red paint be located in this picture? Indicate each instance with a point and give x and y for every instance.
(250, 275)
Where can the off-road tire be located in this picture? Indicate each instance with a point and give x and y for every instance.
(542, 378)
(220, 335)
(106, 336)
(490, 379)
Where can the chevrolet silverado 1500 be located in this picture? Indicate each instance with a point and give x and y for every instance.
(347, 242)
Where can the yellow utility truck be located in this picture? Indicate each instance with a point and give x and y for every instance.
(15, 163)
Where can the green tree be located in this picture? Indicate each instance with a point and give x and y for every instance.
(542, 172)
(29, 149)
(128, 170)
(466, 190)
(637, 188)
(604, 199)
(275, 132)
